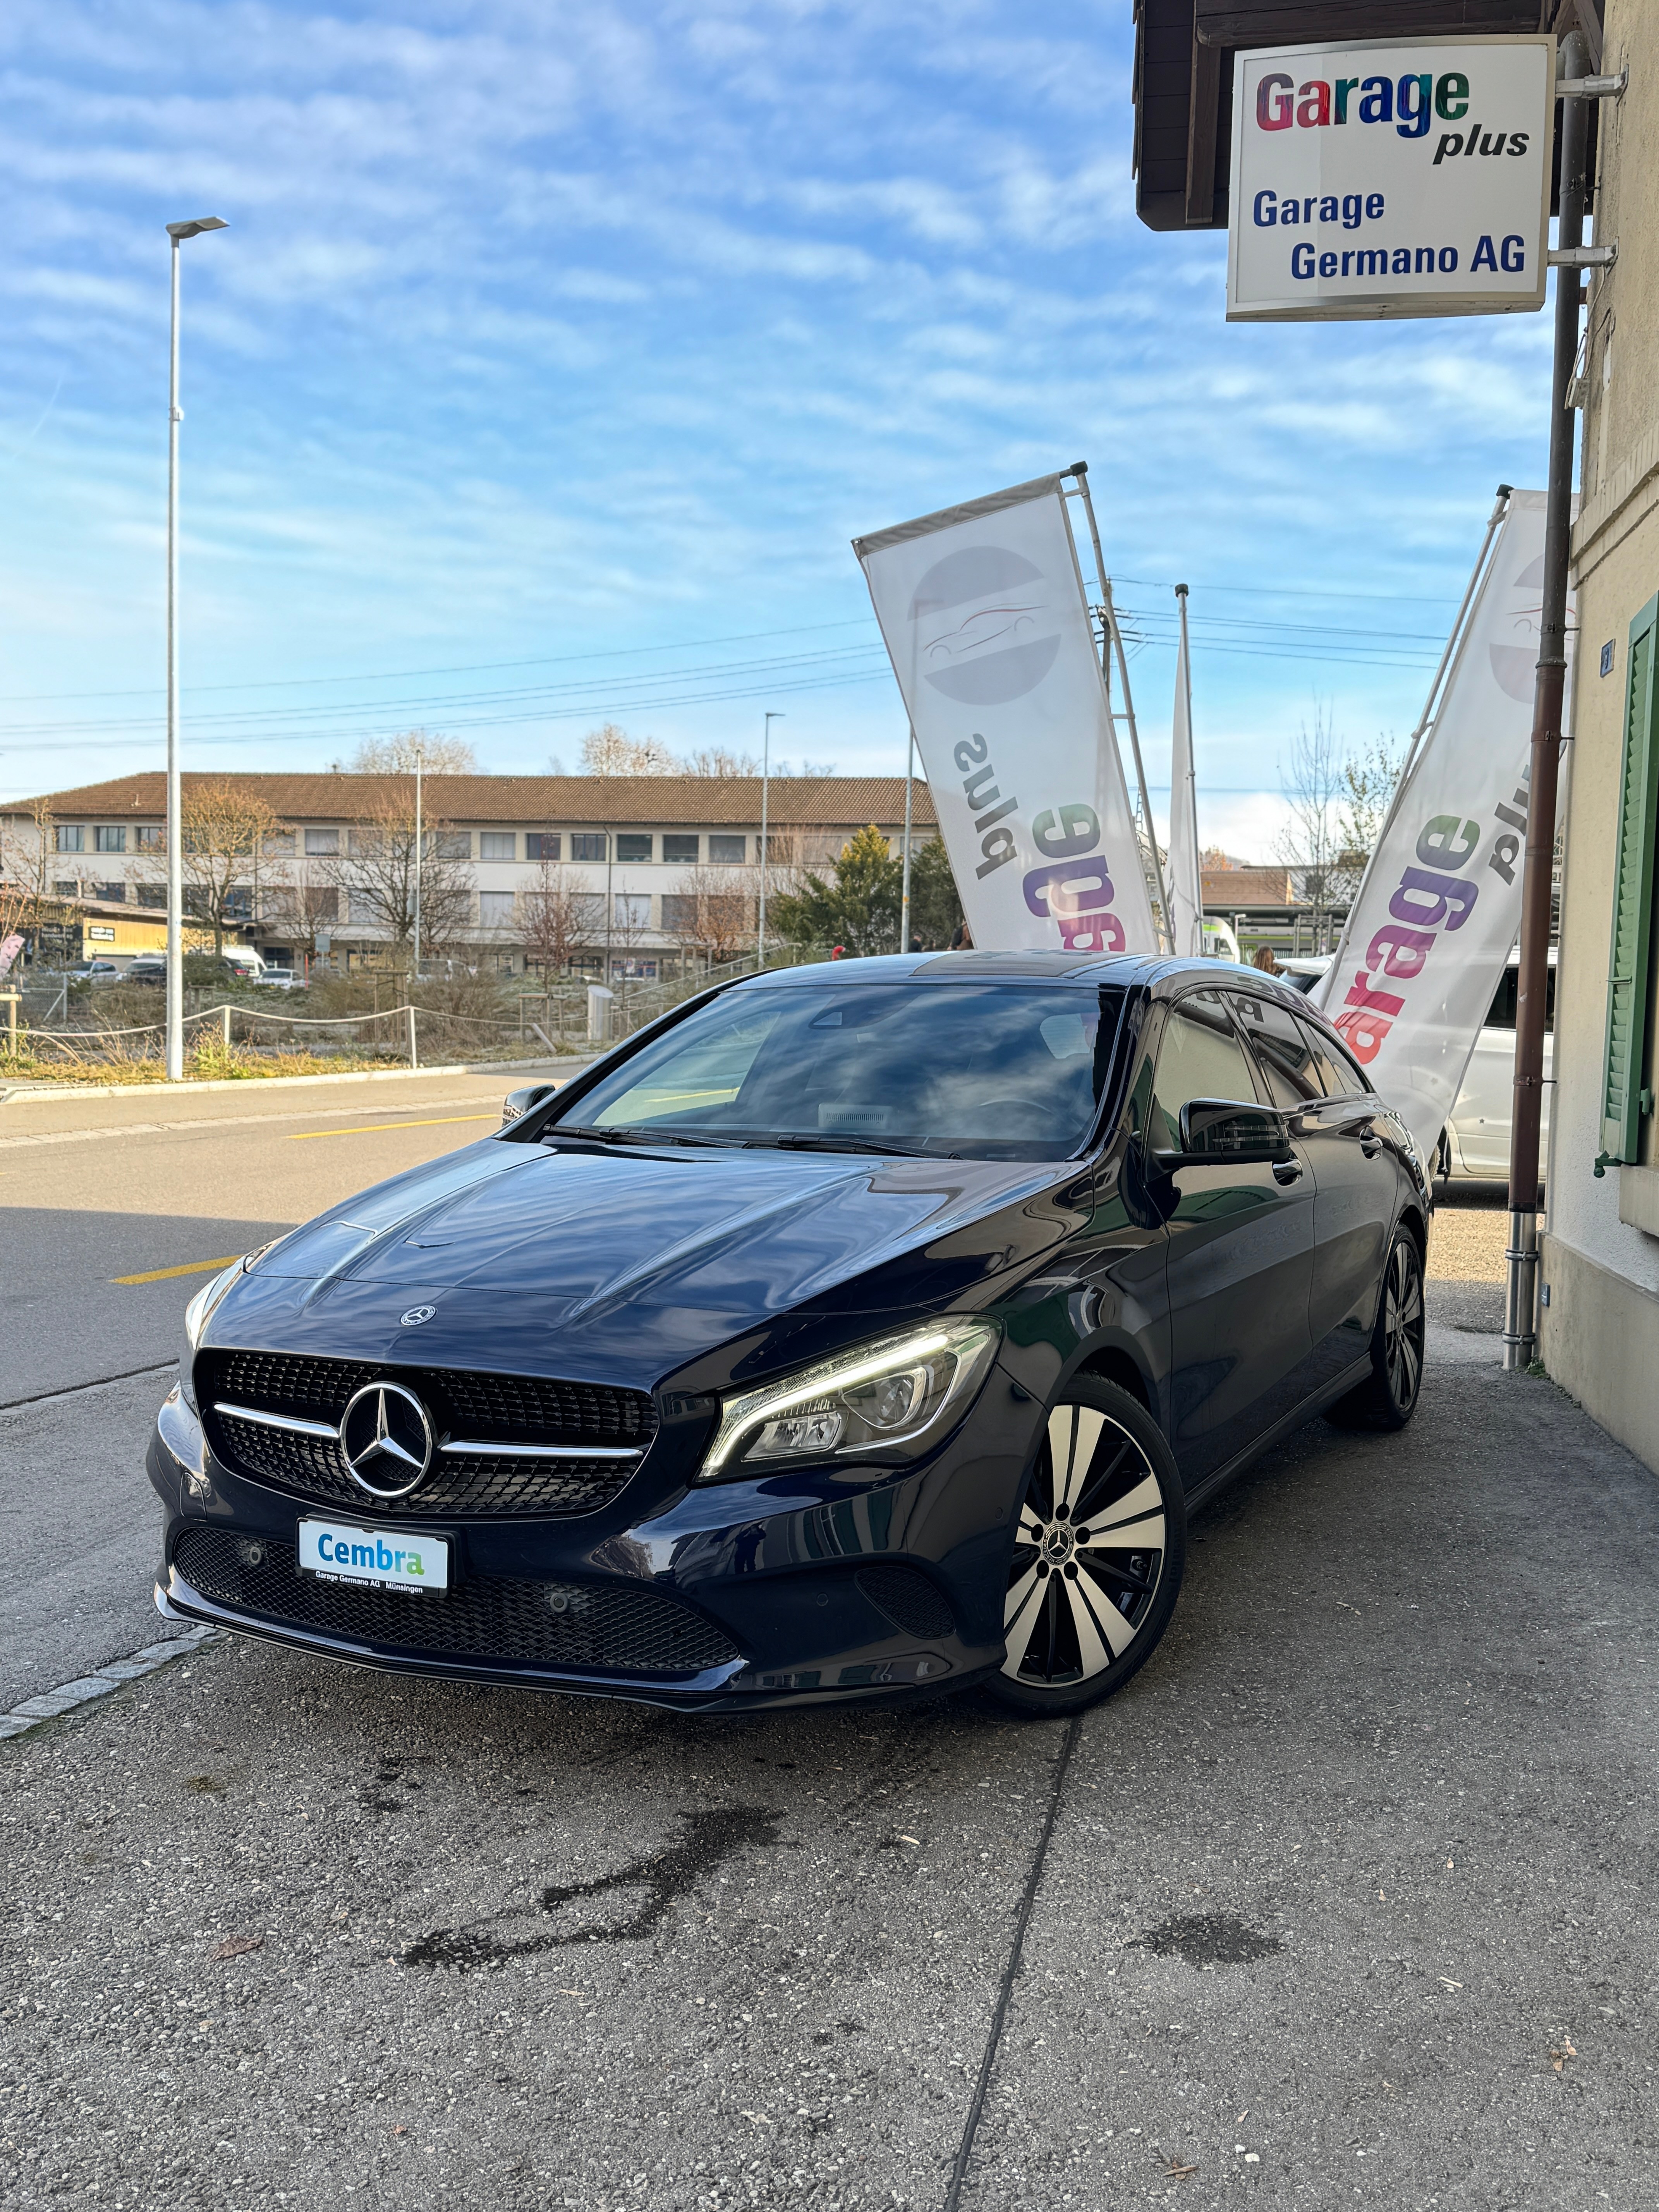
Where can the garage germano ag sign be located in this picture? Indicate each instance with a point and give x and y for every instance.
(1399, 177)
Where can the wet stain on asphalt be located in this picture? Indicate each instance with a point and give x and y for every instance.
(666, 1876)
(1207, 1939)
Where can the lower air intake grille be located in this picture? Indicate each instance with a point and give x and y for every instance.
(908, 1599)
(607, 1628)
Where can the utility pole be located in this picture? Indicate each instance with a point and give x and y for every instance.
(177, 232)
(766, 780)
(1520, 1303)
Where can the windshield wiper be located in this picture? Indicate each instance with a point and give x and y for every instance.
(634, 1136)
(808, 1142)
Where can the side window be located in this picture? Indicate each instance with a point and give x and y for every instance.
(1338, 1076)
(1199, 1056)
(1283, 1049)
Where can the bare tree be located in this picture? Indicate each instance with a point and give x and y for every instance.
(716, 761)
(1312, 842)
(629, 925)
(225, 829)
(377, 875)
(26, 865)
(559, 915)
(611, 751)
(439, 755)
(300, 896)
(1368, 779)
(714, 912)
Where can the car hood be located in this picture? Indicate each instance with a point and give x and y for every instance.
(626, 1265)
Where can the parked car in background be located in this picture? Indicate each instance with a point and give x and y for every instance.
(1474, 1144)
(273, 978)
(147, 968)
(856, 1329)
(94, 971)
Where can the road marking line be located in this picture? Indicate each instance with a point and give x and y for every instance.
(189, 1268)
(373, 1128)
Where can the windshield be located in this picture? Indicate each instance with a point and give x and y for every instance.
(990, 1071)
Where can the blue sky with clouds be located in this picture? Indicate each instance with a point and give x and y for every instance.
(554, 353)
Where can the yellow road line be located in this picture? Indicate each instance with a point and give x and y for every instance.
(373, 1128)
(189, 1268)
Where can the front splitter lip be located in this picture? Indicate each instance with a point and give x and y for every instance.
(710, 1693)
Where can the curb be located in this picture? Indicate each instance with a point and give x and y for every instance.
(51, 1703)
(20, 1094)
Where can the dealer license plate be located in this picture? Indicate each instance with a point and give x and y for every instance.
(386, 1559)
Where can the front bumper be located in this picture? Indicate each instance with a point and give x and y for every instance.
(803, 1589)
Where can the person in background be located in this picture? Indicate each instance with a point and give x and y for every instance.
(963, 939)
(1264, 960)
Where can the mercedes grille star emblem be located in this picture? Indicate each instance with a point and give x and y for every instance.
(386, 1439)
(415, 1316)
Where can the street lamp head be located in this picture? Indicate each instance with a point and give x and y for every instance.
(179, 231)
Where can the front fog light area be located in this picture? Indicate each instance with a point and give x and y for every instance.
(888, 1400)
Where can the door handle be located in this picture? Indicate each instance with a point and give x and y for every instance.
(1287, 1171)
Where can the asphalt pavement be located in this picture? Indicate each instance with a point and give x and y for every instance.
(1344, 1900)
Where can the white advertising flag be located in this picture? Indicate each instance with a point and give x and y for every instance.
(1431, 931)
(1186, 875)
(1390, 177)
(986, 621)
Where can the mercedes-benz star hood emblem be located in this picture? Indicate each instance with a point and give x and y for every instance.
(386, 1437)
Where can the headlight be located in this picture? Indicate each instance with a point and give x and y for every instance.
(893, 1399)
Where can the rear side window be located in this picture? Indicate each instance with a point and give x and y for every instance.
(1338, 1076)
(1282, 1047)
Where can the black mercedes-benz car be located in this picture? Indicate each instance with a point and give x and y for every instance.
(856, 1329)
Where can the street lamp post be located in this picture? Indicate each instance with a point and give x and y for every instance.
(766, 782)
(904, 885)
(420, 755)
(177, 232)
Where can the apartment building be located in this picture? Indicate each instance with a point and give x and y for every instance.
(637, 854)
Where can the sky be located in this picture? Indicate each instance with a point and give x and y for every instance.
(554, 354)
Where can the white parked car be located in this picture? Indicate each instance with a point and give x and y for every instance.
(1475, 1142)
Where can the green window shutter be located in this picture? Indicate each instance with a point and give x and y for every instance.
(1629, 956)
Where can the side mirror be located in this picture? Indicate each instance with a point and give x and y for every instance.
(518, 1104)
(1225, 1132)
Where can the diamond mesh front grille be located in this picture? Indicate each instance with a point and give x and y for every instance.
(605, 1627)
(479, 1409)
(908, 1599)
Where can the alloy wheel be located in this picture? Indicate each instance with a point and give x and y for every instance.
(1403, 1320)
(1088, 1553)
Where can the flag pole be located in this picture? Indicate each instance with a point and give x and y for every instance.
(1112, 637)
(1188, 798)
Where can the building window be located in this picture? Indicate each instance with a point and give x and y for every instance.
(150, 837)
(279, 841)
(1626, 1100)
(321, 841)
(588, 845)
(495, 910)
(239, 903)
(71, 837)
(322, 904)
(454, 844)
(728, 849)
(152, 894)
(110, 838)
(634, 845)
(679, 914)
(498, 845)
(542, 845)
(114, 894)
(633, 910)
(677, 845)
(62, 889)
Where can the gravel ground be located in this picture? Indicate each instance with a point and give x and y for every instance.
(1347, 1900)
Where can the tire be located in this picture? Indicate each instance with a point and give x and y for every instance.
(1083, 1616)
(1387, 1398)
